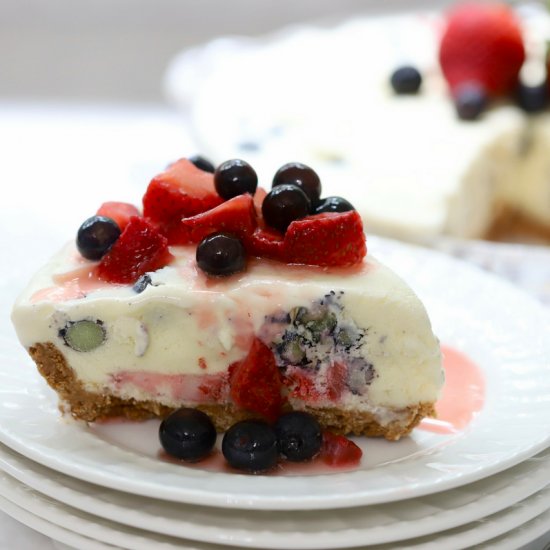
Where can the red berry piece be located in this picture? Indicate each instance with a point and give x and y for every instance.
(338, 450)
(139, 249)
(483, 44)
(121, 212)
(183, 190)
(256, 382)
(265, 243)
(237, 216)
(334, 239)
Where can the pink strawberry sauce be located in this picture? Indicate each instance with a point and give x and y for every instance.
(463, 394)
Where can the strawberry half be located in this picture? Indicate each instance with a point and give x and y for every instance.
(256, 382)
(139, 249)
(332, 239)
(121, 212)
(236, 216)
(483, 44)
(180, 192)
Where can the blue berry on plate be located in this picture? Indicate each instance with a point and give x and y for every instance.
(299, 436)
(235, 177)
(221, 254)
(333, 204)
(250, 445)
(284, 204)
(202, 163)
(470, 101)
(187, 434)
(533, 99)
(406, 80)
(95, 236)
(302, 176)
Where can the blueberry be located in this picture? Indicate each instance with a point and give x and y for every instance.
(95, 236)
(301, 175)
(299, 436)
(333, 204)
(284, 204)
(142, 283)
(533, 99)
(221, 254)
(202, 164)
(250, 445)
(188, 434)
(85, 335)
(470, 101)
(235, 177)
(406, 80)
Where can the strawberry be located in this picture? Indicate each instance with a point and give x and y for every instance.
(336, 381)
(181, 191)
(139, 249)
(256, 382)
(259, 197)
(338, 450)
(483, 44)
(121, 212)
(236, 216)
(331, 239)
(266, 243)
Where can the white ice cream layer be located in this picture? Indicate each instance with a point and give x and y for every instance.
(185, 321)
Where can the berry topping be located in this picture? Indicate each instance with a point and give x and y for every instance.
(267, 244)
(139, 249)
(533, 99)
(221, 254)
(470, 101)
(85, 335)
(188, 434)
(299, 436)
(333, 239)
(333, 204)
(235, 177)
(284, 204)
(482, 43)
(338, 450)
(142, 283)
(236, 216)
(180, 192)
(303, 176)
(121, 212)
(96, 236)
(406, 80)
(256, 382)
(202, 164)
(250, 445)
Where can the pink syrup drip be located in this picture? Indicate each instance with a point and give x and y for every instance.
(71, 285)
(463, 394)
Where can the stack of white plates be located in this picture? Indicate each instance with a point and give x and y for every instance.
(486, 486)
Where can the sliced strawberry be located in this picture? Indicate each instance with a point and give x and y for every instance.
(266, 243)
(236, 216)
(259, 197)
(301, 385)
(332, 239)
(338, 450)
(121, 212)
(139, 249)
(336, 381)
(482, 43)
(180, 192)
(256, 382)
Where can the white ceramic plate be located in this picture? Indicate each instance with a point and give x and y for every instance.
(502, 329)
(349, 527)
(121, 536)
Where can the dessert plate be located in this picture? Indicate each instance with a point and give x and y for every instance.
(110, 532)
(297, 529)
(503, 330)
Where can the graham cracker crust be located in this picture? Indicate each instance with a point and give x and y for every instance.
(511, 225)
(91, 406)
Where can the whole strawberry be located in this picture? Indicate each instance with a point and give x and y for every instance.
(482, 44)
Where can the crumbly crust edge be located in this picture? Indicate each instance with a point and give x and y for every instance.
(90, 406)
(511, 225)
